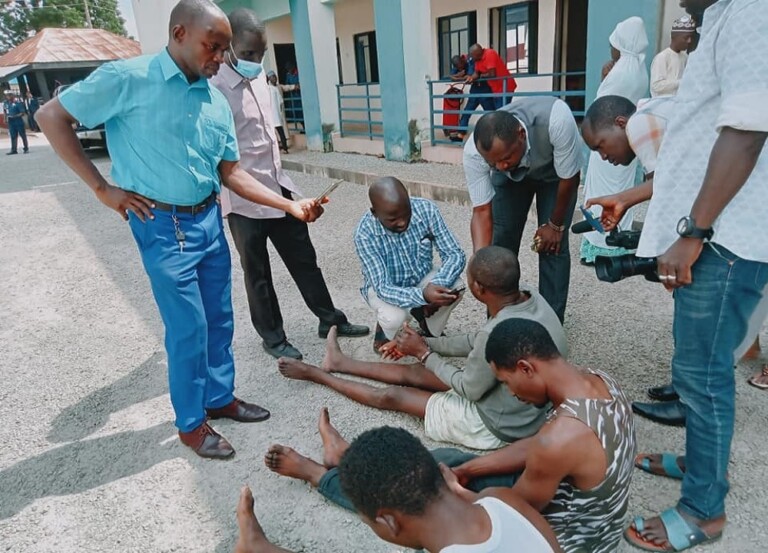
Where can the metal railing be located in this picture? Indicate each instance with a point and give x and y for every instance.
(451, 102)
(294, 111)
(360, 110)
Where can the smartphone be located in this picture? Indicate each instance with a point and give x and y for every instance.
(457, 291)
(327, 192)
(592, 220)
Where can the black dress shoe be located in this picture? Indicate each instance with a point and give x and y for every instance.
(671, 413)
(12, 153)
(283, 350)
(240, 411)
(663, 393)
(379, 339)
(345, 329)
(208, 443)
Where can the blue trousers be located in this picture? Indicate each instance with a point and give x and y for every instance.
(193, 290)
(330, 485)
(711, 319)
(17, 130)
(488, 104)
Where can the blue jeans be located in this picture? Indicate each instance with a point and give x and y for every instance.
(711, 319)
(330, 486)
(193, 290)
(489, 104)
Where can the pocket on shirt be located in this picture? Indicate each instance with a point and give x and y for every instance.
(214, 137)
(425, 250)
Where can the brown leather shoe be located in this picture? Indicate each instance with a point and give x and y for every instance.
(239, 411)
(206, 442)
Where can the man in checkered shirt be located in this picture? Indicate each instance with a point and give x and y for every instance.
(395, 242)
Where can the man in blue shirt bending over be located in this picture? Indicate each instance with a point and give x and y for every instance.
(395, 243)
(172, 140)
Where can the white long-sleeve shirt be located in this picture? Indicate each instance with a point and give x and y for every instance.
(666, 71)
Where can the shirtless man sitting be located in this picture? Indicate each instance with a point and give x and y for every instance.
(466, 406)
(576, 470)
(398, 490)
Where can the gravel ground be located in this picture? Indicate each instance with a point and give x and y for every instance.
(91, 461)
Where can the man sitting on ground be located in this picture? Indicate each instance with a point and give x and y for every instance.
(395, 242)
(398, 490)
(576, 470)
(468, 406)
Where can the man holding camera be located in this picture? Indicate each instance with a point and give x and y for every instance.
(710, 198)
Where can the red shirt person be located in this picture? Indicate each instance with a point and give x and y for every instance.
(488, 64)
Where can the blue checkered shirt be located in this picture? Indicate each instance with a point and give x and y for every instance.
(394, 264)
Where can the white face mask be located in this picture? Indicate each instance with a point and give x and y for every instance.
(247, 69)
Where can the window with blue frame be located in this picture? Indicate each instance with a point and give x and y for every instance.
(514, 35)
(366, 59)
(456, 33)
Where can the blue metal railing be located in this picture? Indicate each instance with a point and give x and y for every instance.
(437, 115)
(360, 110)
(294, 111)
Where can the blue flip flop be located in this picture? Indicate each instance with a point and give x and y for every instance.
(668, 464)
(681, 534)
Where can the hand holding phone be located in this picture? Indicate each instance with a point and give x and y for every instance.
(327, 192)
(592, 220)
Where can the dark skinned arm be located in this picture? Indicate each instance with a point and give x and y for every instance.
(507, 460)
(616, 205)
(731, 162)
(234, 177)
(548, 238)
(481, 227)
(57, 125)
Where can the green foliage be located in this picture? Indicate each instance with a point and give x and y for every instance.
(22, 18)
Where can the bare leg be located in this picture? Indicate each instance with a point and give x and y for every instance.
(252, 538)
(391, 398)
(753, 352)
(286, 462)
(334, 445)
(414, 375)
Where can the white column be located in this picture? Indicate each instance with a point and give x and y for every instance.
(152, 20)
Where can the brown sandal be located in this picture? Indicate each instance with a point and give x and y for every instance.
(763, 374)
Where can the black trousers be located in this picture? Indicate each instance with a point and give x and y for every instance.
(291, 240)
(281, 137)
(510, 206)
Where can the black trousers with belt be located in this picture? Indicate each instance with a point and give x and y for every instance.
(291, 240)
(510, 206)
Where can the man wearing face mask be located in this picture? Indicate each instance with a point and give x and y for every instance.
(244, 84)
(529, 148)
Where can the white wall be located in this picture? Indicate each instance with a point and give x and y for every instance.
(279, 31)
(152, 19)
(352, 17)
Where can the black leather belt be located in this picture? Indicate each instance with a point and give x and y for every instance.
(193, 209)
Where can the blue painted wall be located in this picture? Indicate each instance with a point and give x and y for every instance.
(602, 19)
(310, 99)
(394, 101)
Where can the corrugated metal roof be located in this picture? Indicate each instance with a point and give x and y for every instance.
(71, 45)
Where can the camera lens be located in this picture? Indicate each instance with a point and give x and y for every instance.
(614, 269)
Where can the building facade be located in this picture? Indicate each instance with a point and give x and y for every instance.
(368, 68)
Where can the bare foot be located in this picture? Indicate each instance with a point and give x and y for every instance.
(295, 369)
(286, 462)
(654, 463)
(753, 352)
(334, 445)
(334, 358)
(252, 538)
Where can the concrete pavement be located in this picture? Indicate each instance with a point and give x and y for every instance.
(91, 461)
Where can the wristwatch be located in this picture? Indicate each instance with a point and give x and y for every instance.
(686, 228)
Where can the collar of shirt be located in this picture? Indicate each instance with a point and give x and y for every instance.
(231, 78)
(518, 173)
(170, 69)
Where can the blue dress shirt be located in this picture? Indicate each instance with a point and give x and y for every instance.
(166, 136)
(394, 264)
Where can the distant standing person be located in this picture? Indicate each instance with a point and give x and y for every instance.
(15, 111)
(461, 69)
(294, 109)
(489, 65)
(628, 78)
(32, 106)
(529, 148)
(245, 87)
(278, 107)
(668, 65)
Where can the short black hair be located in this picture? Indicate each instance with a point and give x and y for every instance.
(497, 124)
(514, 339)
(456, 59)
(243, 20)
(389, 468)
(497, 269)
(603, 112)
(188, 11)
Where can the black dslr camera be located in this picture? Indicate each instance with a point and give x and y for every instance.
(614, 269)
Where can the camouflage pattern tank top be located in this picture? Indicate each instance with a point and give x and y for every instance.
(592, 521)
